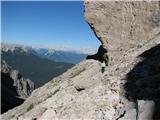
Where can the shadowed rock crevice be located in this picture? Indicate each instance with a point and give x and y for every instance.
(9, 93)
(144, 79)
(15, 89)
(101, 55)
(79, 88)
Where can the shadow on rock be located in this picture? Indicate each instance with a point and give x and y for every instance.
(143, 81)
(9, 95)
(101, 55)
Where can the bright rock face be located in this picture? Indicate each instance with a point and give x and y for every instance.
(130, 86)
(122, 26)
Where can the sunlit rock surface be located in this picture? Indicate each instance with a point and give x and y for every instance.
(130, 32)
(123, 26)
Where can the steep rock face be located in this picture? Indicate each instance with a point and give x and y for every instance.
(122, 26)
(15, 88)
(128, 30)
(83, 92)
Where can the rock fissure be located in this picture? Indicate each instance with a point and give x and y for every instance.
(79, 89)
(121, 116)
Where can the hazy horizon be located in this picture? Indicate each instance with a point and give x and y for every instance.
(86, 50)
(47, 23)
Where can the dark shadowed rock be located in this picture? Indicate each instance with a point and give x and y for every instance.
(101, 55)
(15, 88)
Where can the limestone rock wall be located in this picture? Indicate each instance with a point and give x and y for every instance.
(130, 86)
(122, 26)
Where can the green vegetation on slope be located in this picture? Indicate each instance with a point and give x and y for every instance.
(33, 67)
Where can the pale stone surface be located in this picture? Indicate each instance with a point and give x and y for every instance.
(145, 109)
(83, 92)
(129, 115)
(123, 26)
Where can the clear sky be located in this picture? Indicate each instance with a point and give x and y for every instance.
(47, 23)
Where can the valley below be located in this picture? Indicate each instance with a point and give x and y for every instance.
(24, 69)
(39, 65)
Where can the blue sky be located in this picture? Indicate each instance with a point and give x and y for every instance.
(47, 23)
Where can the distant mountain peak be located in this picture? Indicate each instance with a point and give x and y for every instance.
(12, 46)
(58, 55)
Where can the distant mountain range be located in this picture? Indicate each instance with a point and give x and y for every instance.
(31, 64)
(61, 55)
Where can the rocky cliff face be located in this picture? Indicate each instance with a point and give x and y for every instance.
(129, 87)
(123, 26)
(15, 88)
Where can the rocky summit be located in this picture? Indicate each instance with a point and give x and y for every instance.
(129, 89)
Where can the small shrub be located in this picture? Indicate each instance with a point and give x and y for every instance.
(56, 91)
(30, 107)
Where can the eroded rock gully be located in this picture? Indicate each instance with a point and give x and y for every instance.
(129, 88)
